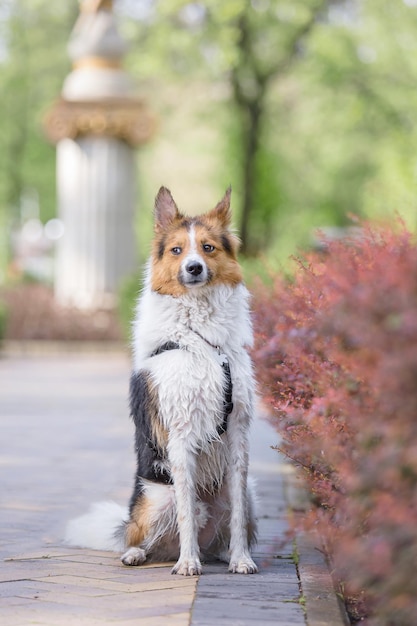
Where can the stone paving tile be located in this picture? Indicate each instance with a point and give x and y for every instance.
(120, 606)
(112, 586)
(172, 619)
(59, 616)
(39, 569)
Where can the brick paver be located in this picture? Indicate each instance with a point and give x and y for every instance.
(66, 441)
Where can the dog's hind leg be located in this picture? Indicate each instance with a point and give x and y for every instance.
(152, 524)
(135, 532)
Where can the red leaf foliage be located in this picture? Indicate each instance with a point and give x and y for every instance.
(336, 357)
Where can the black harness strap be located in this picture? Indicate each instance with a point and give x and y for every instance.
(227, 399)
(169, 345)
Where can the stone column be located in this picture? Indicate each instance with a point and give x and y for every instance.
(96, 125)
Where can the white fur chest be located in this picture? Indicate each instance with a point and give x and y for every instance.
(220, 315)
(191, 381)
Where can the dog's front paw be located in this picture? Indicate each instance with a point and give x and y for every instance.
(243, 565)
(187, 567)
(134, 556)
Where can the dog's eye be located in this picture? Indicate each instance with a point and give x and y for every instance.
(207, 247)
(177, 250)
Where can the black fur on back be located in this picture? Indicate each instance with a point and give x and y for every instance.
(149, 454)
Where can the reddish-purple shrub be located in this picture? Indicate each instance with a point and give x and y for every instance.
(337, 359)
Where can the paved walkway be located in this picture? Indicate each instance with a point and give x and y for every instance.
(66, 440)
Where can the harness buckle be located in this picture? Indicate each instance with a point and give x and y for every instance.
(221, 357)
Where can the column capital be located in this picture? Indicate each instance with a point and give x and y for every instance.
(126, 119)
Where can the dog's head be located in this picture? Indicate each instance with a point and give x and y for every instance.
(192, 252)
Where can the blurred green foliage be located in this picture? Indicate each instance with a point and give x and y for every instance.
(128, 296)
(337, 129)
(330, 83)
(33, 62)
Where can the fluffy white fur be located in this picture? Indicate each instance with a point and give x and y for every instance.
(190, 384)
(190, 389)
(98, 529)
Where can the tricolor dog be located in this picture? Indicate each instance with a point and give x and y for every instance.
(191, 399)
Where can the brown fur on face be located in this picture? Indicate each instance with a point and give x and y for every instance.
(172, 231)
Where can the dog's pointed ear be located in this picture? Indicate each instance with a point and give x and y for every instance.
(165, 209)
(222, 210)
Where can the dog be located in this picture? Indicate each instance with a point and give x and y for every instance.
(191, 399)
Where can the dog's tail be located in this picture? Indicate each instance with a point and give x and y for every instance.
(102, 528)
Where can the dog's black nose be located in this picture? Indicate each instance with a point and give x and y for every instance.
(194, 268)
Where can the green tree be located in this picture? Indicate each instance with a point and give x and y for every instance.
(32, 67)
(320, 105)
(250, 45)
(266, 52)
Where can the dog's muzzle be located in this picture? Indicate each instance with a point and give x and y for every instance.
(194, 272)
